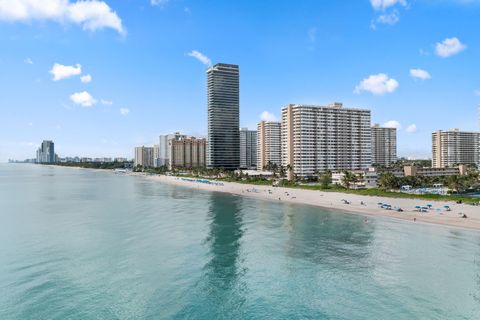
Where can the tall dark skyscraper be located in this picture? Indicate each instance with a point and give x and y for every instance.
(223, 116)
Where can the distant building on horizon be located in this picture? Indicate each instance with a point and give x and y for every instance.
(46, 152)
(187, 152)
(384, 145)
(248, 149)
(223, 84)
(454, 147)
(269, 144)
(318, 138)
(144, 157)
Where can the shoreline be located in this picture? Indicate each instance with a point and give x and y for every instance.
(334, 201)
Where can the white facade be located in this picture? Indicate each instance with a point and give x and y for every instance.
(316, 139)
(144, 156)
(269, 146)
(164, 150)
(453, 147)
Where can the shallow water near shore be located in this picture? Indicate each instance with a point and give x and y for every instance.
(81, 244)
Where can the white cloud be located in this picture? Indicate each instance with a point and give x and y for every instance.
(267, 116)
(158, 2)
(392, 124)
(412, 128)
(124, 111)
(420, 74)
(28, 61)
(59, 71)
(449, 47)
(378, 84)
(83, 98)
(106, 102)
(391, 18)
(91, 15)
(385, 4)
(200, 57)
(86, 78)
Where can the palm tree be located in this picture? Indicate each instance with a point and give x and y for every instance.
(326, 179)
(349, 178)
(388, 181)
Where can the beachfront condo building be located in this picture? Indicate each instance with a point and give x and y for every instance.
(163, 150)
(269, 148)
(384, 145)
(187, 152)
(318, 138)
(144, 157)
(248, 149)
(46, 152)
(156, 155)
(223, 116)
(454, 147)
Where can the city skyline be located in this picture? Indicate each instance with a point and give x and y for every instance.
(100, 90)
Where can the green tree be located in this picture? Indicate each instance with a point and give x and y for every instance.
(326, 179)
(388, 181)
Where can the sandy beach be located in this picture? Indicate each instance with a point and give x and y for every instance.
(358, 204)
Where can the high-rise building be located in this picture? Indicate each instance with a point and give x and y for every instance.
(269, 144)
(156, 156)
(144, 157)
(453, 147)
(163, 152)
(46, 152)
(223, 116)
(384, 145)
(248, 149)
(317, 139)
(187, 152)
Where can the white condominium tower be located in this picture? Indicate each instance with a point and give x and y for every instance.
(144, 157)
(248, 149)
(453, 147)
(163, 149)
(384, 145)
(269, 144)
(317, 139)
(223, 149)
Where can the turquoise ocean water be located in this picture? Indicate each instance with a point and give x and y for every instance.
(77, 244)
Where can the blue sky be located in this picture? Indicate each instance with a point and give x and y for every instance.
(415, 64)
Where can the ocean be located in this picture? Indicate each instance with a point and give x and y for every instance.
(81, 244)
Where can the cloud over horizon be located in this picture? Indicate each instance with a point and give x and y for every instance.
(378, 84)
(449, 47)
(200, 57)
(60, 71)
(91, 15)
(83, 99)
